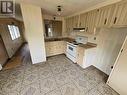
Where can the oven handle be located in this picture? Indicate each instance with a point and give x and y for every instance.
(70, 44)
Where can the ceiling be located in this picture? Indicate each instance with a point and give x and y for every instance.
(69, 7)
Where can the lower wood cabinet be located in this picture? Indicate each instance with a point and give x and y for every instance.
(55, 47)
(85, 56)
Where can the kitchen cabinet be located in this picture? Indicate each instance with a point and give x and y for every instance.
(69, 25)
(72, 22)
(75, 21)
(83, 20)
(55, 48)
(91, 21)
(104, 16)
(114, 15)
(85, 56)
(120, 14)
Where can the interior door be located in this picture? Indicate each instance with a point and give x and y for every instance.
(118, 77)
(3, 53)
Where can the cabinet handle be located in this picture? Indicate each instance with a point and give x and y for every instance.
(121, 50)
(115, 20)
(111, 67)
(86, 29)
(105, 21)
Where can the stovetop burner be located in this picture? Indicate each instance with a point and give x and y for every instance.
(75, 43)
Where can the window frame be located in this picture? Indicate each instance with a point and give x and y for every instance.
(14, 31)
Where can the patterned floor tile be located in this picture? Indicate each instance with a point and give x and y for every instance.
(83, 85)
(74, 73)
(12, 85)
(32, 89)
(94, 92)
(48, 85)
(55, 92)
(13, 93)
(62, 79)
(45, 73)
(57, 76)
(42, 66)
(105, 89)
(70, 89)
(57, 69)
(28, 70)
(16, 74)
(30, 78)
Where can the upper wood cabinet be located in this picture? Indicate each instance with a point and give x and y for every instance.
(104, 16)
(68, 25)
(120, 14)
(83, 20)
(91, 21)
(114, 15)
(75, 21)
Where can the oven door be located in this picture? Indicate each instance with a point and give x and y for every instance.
(71, 50)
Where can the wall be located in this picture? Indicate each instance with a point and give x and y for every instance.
(34, 30)
(90, 37)
(3, 53)
(11, 46)
(51, 17)
(109, 42)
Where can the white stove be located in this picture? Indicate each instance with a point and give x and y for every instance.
(71, 51)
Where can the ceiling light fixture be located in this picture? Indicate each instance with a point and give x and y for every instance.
(59, 10)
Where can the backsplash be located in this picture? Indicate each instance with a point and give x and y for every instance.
(91, 37)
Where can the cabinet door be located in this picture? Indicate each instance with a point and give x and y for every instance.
(91, 21)
(68, 25)
(83, 20)
(71, 24)
(55, 47)
(120, 13)
(80, 55)
(104, 16)
(125, 17)
(75, 21)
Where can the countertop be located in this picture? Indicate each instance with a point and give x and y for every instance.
(88, 45)
(85, 46)
(59, 39)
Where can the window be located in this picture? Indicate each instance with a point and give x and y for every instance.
(50, 32)
(14, 31)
